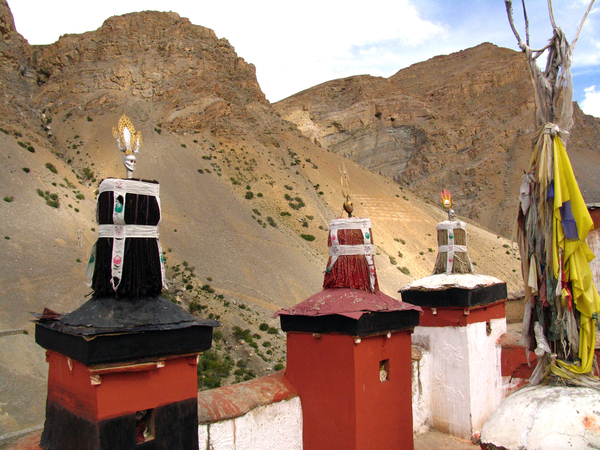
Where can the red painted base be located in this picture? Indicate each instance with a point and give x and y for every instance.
(103, 392)
(461, 317)
(122, 406)
(355, 394)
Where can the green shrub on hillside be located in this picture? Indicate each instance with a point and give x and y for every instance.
(404, 270)
(212, 368)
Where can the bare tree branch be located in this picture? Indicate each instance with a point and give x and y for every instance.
(526, 23)
(522, 45)
(581, 25)
(509, 12)
(540, 52)
(551, 15)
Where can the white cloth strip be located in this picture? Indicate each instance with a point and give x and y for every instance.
(89, 272)
(451, 225)
(118, 254)
(162, 266)
(121, 188)
(360, 249)
(349, 224)
(129, 186)
(119, 205)
(452, 248)
(128, 231)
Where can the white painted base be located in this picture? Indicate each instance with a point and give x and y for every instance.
(465, 376)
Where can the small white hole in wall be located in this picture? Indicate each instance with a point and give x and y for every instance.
(384, 370)
(144, 426)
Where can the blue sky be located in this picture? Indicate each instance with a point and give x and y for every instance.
(296, 45)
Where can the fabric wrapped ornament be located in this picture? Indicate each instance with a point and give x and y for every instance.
(452, 248)
(126, 261)
(350, 263)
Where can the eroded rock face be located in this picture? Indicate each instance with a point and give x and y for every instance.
(192, 76)
(7, 23)
(363, 118)
(462, 122)
(17, 77)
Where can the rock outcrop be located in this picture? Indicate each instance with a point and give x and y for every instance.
(159, 57)
(17, 77)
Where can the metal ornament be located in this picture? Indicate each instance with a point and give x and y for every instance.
(129, 141)
(345, 185)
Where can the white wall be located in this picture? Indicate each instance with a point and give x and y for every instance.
(456, 386)
(449, 406)
(487, 387)
(593, 240)
(465, 375)
(421, 389)
(270, 427)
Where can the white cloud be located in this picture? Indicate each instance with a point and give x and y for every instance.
(587, 54)
(315, 41)
(591, 103)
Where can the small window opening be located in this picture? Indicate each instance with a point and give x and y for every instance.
(144, 426)
(384, 370)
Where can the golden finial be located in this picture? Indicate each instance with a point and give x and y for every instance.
(129, 142)
(345, 184)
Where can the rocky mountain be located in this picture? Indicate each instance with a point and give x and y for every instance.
(464, 121)
(246, 196)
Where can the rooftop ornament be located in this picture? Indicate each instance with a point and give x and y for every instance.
(351, 247)
(350, 284)
(553, 222)
(447, 203)
(452, 242)
(127, 338)
(126, 261)
(345, 184)
(129, 142)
